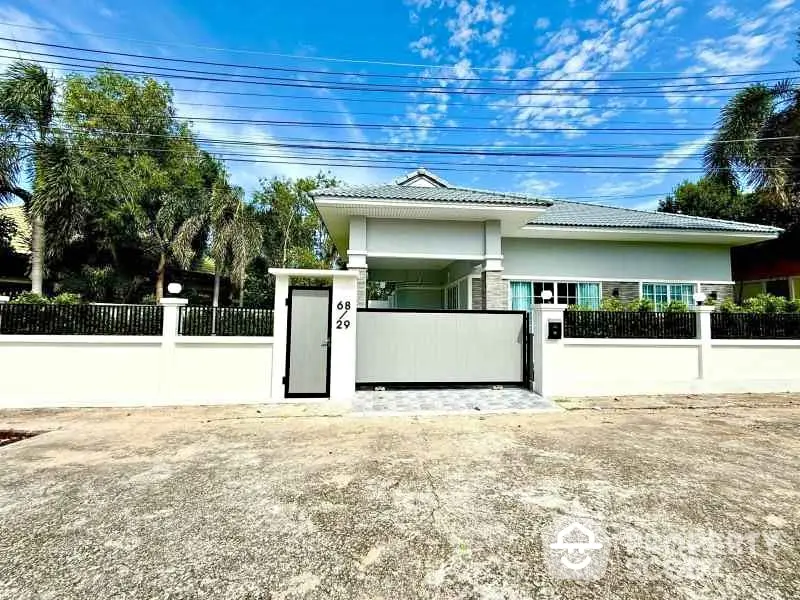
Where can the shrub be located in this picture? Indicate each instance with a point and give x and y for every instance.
(729, 306)
(612, 304)
(765, 303)
(641, 305)
(579, 308)
(792, 306)
(30, 298)
(66, 298)
(676, 306)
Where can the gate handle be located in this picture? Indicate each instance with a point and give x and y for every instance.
(325, 343)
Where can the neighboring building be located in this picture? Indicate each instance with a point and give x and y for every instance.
(445, 247)
(14, 260)
(771, 267)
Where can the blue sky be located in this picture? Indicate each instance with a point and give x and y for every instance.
(557, 77)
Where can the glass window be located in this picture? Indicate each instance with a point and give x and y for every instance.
(796, 288)
(520, 295)
(524, 293)
(751, 289)
(778, 287)
(661, 294)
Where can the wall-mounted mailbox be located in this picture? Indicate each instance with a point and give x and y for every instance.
(554, 330)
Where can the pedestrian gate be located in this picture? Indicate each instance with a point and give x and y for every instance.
(308, 346)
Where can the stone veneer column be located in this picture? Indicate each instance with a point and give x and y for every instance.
(494, 291)
(361, 287)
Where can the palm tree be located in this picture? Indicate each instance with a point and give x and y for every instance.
(30, 142)
(757, 144)
(235, 234)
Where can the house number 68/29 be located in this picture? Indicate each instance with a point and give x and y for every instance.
(344, 307)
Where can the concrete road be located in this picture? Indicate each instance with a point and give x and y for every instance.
(690, 498)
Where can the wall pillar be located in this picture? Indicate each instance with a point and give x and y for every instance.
(361, 287)
(169, 335)
(279, 330)
(343, 336)
(704, 335)
(546, 352)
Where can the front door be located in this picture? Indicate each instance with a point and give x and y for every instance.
(308, 353)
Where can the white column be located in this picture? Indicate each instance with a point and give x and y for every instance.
(343, 338)
(279, 330)
(169, 333)
(546, 355)
(704, 335)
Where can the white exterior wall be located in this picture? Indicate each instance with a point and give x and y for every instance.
(132, 371)
(607, 260)
(614, 367)
(420, 238)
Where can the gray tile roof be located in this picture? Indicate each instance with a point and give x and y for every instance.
(559, 212)
(581, 214)
(428, 194)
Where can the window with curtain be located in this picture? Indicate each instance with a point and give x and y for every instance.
(663, 293)
(524, 294)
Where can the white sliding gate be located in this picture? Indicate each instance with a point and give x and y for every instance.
(437, 347)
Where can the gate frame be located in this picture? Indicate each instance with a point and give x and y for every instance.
(327, 392)
(526, 352)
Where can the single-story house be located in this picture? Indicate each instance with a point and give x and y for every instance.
(438, 246)
(771, 267)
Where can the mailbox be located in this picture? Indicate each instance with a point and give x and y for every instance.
(554, 330)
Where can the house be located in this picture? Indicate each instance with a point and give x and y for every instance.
(771, 267)
(438, 246)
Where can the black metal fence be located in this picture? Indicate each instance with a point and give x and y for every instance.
(755, 326)
(80, 319)
(629, 324)
(205, 320)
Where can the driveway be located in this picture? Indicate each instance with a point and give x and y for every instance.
(692, 498)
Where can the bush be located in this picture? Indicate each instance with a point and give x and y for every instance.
(30, 298)
(729, 306)
(676, 306)
(579, 308)
(612, 304)
(641, 305)
(66, 298)
(765, 303)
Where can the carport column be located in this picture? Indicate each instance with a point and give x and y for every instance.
(546, 355)
(343, 336)
(169, 335)
(704, 335)
(494, 292)
(279, 330)
(357, 256)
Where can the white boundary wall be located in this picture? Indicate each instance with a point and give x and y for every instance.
(613, 367)
(41, 371)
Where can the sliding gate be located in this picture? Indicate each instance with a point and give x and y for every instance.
(439, 348)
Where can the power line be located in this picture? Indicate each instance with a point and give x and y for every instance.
(650, 91)
(305, 57)
(381, 75)
(447, 128)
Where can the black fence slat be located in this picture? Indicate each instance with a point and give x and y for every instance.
(80, 319)
(629, 324)
(226, 321)
(758, 326)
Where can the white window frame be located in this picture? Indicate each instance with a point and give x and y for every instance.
(555, 282)
(694, 284)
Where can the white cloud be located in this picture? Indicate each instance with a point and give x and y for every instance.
(506, 59)
(542, 23)
(721, 11)
(536, 186)
(424, 47)
(778, 5)
(480, 20)
(616, 7)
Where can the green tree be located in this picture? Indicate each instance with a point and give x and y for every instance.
(158, 177)
(235, 237)
(757, 143)
(31, 143)
(708, 198)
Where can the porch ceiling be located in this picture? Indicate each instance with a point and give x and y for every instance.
(405, 263)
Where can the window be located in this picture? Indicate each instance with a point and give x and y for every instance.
(524, 294)
(778, 287)
(663, 293)
(456, 294)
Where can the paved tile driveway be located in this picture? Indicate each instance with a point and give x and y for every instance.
(439, 401)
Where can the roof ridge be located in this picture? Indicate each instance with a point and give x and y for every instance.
(658, 212)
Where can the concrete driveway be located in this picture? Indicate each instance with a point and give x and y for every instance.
(693, 498)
